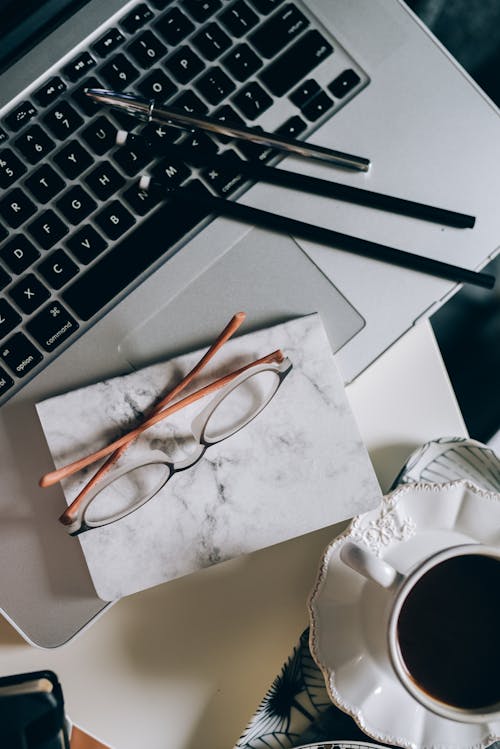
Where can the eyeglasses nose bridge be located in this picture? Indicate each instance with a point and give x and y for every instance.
(195, 456)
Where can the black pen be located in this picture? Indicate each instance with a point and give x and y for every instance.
(197, 194)
(296, 181)
(149, 111)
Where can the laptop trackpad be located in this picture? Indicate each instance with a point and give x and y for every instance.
(266, 275)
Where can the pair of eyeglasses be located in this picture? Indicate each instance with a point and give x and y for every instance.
(241, 396)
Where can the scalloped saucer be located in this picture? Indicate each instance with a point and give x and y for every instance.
(348, 614)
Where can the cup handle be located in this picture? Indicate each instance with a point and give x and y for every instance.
(370, 566)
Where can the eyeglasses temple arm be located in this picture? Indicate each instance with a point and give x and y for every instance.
(49, 479)
(224, 336)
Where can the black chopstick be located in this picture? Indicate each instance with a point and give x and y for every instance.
(315, 185)
(357, 195)
(195, 192)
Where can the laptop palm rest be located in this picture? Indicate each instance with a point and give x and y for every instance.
(266, 275)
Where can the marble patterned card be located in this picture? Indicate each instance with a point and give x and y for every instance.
(298, 466)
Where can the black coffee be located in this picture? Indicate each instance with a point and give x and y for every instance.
(449, 631)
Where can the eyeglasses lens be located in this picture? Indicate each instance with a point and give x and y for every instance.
(126, 493)
(241, 405)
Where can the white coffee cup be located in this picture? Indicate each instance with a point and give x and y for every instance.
(450, 578)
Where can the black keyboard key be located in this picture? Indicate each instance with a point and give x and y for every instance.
(160, 4)
(52, 326)
(158, 135)
(119, 73)
(304, 92)
(223, 175)
(9, 318)
(137, 18)
(242, 62)
(122, 265)
(29, 293)
(44, 183)
(104, 180)
(73, 159)
(125, 121)
(108, 42)
(197, 148)
(344, 83)
(255, 151)
(4, 278)
(174, 26)
(279, 30)
(6, 382)
(16, 207)
(34, 144)
(75, 205)
(189, 103)
(11, 168)
(214, 85)
(3, 136)
(157, 86)
(172, 171)
(3, 233)
(49, 92)
(146, 49)
(84, 103)
(292, 128)
(47, 229)
(201, 10)
(211, 41)
(86, 244)
(239, 18)
(228, 116)
(19, 116)
(18, 254)
(134, 156)
(114, 220)
(57, 269)
(62, 120)
(140, 201)
(265, 6)
(317, 106)
(100, 135)
(184, 64)
(79, 66)
(252, 100)
(20, 355)
(298, 60)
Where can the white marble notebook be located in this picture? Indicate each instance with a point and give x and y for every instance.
(298, 466)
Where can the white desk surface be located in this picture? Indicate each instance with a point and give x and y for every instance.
(184, 665)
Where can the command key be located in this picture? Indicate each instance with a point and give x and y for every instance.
(52, 326)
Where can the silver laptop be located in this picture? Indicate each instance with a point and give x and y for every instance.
(97, 277)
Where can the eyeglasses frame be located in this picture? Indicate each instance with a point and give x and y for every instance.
(161, 410)
(154, 457)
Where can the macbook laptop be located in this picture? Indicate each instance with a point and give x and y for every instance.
(98, 277)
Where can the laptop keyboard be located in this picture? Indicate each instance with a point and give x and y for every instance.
(76, 231)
